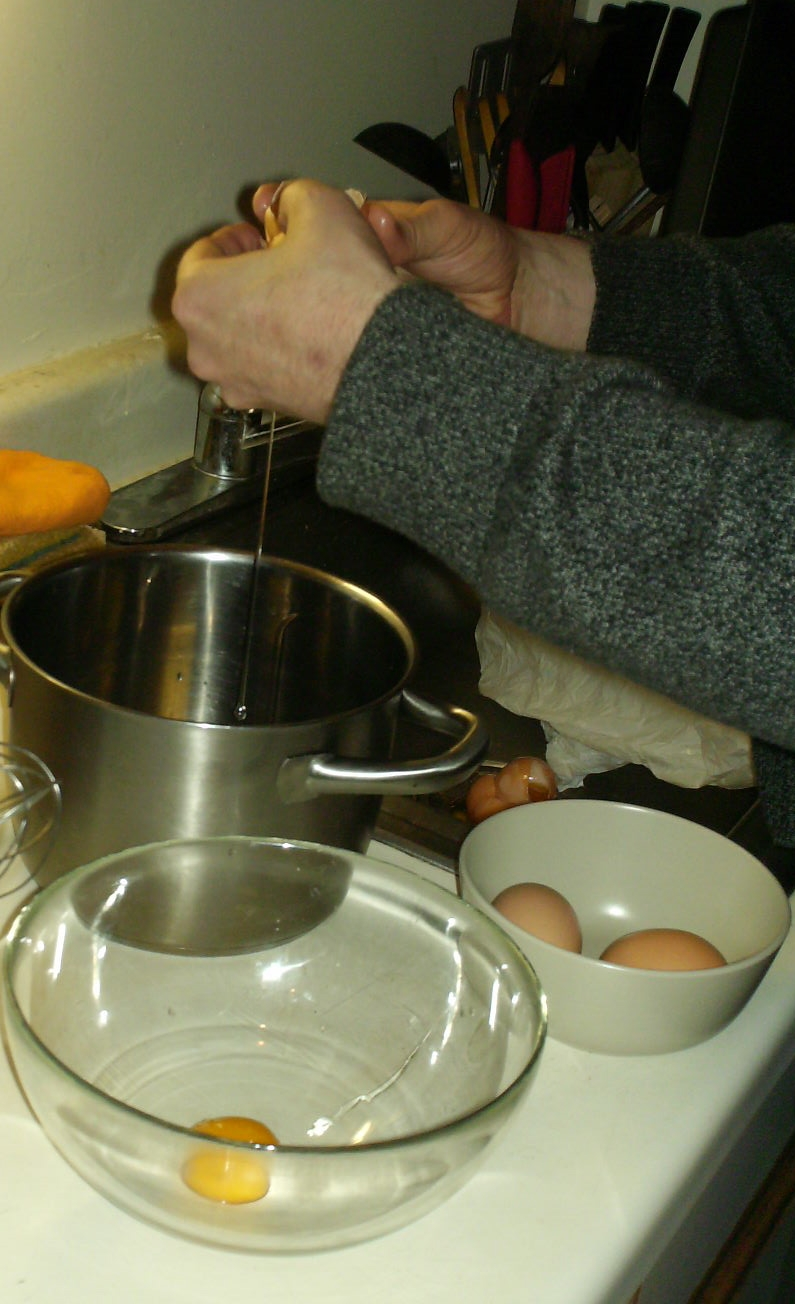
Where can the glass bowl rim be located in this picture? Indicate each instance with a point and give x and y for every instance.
(10, 947)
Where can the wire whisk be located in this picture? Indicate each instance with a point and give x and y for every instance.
(30, 811)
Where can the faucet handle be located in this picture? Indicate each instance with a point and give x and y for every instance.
(226, 437)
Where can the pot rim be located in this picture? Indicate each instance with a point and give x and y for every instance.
(97, 557)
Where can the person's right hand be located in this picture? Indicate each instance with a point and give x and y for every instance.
(540, 285)
(274, 326)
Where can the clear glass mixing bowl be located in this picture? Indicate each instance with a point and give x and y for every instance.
(384, 1030)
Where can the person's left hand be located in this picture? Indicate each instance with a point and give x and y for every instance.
(275, 327)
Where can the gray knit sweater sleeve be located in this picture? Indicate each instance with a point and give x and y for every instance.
(591, 499)
(715, 317)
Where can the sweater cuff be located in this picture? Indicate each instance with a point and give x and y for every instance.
(626, 323)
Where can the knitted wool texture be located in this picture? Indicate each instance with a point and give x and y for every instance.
(639, 513)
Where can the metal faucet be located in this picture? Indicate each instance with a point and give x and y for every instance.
(226, 438)
(226, 469)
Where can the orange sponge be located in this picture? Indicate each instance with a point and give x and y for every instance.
(47, 493)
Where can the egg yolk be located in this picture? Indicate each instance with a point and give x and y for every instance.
(229, 1175)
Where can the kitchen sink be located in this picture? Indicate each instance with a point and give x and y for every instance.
(442, 612)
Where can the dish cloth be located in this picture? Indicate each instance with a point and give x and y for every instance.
(28, 551)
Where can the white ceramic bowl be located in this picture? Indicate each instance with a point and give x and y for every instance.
(624, 868)
(384, 1030)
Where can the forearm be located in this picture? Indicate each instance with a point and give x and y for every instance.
(535, 474)
(554, 290)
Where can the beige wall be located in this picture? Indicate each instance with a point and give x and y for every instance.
(127, 126)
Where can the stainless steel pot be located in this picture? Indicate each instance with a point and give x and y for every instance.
(122, 669)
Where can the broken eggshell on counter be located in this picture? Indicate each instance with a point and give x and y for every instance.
(524, 779)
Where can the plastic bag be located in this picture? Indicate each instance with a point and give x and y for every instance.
(595, 720)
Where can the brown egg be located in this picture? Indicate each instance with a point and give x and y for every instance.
(483, 799)
(525, 779)
(542, 911)
(663, 948)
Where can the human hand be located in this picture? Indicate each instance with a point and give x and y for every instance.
(540, 285)
(453, 247)
(275, 327)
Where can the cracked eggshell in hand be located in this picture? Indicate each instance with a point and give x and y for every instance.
(273, 230)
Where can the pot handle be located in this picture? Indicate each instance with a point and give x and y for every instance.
(303, 777)
(8, 581)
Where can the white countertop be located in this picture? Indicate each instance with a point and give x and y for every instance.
(572, 1206)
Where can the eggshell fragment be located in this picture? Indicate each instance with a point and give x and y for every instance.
(483, 799)
(273, 231)
(542, 911)
(527, 778)
(356, 197)
(522, 780)
(663, 948)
